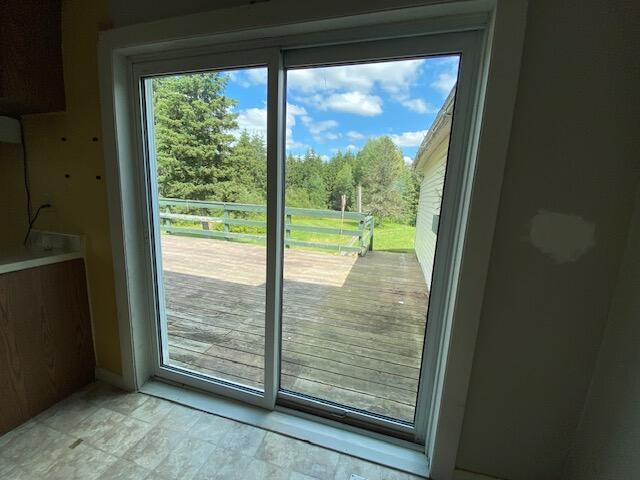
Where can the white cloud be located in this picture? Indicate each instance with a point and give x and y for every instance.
(256, 76)
(408, 160)
(352, 102)
(293, 111)
(325, 158)
(253, 120)
(394, 77)
(353, 135)
(318, 127)
(444, 83)
(409, 139)
(351, 147)
(320, 130)
(418, 105)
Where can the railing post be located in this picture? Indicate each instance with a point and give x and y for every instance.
(225, 221)
(167, 221)
(205, 225)
(287, 230)
(361, 225)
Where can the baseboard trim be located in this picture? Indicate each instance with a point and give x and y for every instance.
(110, 378)
(467, 475)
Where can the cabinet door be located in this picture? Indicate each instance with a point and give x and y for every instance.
(31, 76)
(46, 347)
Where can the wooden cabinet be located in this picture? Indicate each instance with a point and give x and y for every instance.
(31, 76)
(46, 347)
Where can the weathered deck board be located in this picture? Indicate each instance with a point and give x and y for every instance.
(352, 332)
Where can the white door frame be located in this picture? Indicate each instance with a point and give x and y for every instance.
(503, 24)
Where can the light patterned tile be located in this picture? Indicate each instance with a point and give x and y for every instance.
(124, 470)
(125, 403)
(185, 460)
(243, 438)
(10, 471)
(154, 447)
(299, 456)
(80, 463)
(126, 433)
(6, 466)
(226, 464)
(299, 476)
(153, 410)
(65, 415)
(349, 465)
(7, 437)
(49, 443)
(48, 455)
(181, 418)
(98, 393)
(96, 425)
(390, 474)
(211, 428)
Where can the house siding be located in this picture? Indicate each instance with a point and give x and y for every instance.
(428, 207)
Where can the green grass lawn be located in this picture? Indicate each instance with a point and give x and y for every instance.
(389, 236)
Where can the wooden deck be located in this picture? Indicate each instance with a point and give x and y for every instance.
(353, 327)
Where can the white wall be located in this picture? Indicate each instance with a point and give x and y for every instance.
(565, 206)
(607, 444)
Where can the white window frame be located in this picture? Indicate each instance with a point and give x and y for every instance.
(461, 271)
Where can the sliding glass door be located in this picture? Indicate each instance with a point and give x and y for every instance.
(365, 170)
(295, 199)
(209, 176)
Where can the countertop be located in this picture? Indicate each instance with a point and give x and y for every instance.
(44, 248)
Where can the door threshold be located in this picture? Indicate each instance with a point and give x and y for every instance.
(386, 451)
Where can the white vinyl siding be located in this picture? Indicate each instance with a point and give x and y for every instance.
(428, 207)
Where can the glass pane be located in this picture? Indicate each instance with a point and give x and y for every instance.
(366, 158)
(209, 140)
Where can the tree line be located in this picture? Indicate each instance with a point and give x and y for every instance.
(198, 157)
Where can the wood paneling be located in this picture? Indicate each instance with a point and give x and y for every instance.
(31, 77)
(46, 348)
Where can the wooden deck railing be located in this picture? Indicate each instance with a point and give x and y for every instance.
(360, 242)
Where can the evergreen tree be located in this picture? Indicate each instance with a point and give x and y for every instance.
(343, 185)
(242, 175)
(193, 124)
(380, 168)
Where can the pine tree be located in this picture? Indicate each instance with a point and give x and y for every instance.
(343, 185)
(380, 167)
(242, 175)
(193, 125)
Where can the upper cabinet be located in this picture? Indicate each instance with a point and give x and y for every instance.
(31, 76)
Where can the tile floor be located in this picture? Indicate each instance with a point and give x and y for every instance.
(103, 433)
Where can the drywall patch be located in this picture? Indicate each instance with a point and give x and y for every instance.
(563, 238)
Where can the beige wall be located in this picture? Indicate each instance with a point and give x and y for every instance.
(607, 444)
(568, 188)
(65, 173)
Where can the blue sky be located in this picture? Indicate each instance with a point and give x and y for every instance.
(334, 108)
